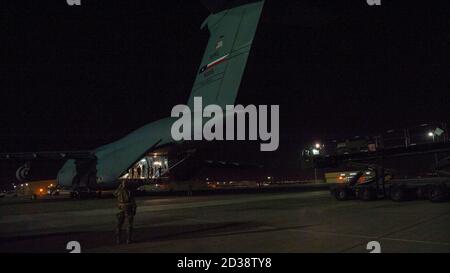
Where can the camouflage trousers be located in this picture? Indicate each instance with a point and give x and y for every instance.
(125, 214)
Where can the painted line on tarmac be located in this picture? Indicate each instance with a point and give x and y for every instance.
(403, 228)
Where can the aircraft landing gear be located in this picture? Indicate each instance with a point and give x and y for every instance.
(83, 193)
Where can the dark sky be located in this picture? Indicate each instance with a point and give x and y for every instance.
(77, 77)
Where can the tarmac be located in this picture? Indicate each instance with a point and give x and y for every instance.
(271, 222)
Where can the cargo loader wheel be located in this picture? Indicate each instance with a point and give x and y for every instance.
(366, 194)
(398, 194)
(342, 194)
(422, 192)
(438, 193)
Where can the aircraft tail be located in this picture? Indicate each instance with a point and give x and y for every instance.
(232, 26)
(232, 29)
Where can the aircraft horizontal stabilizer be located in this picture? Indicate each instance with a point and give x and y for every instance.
(58, 155)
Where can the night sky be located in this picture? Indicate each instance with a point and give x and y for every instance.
(78, 77)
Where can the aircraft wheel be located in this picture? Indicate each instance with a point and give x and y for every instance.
(75, 195)
(82, 195)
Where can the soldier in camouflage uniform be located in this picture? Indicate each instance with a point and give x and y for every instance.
(127, 210)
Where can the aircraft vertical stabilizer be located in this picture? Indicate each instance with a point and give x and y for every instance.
(231, 36)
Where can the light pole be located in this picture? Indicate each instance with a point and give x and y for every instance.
(316, 151)
(431, 134)
(436, 160)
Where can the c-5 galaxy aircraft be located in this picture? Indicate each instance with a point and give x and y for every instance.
(232, 26)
